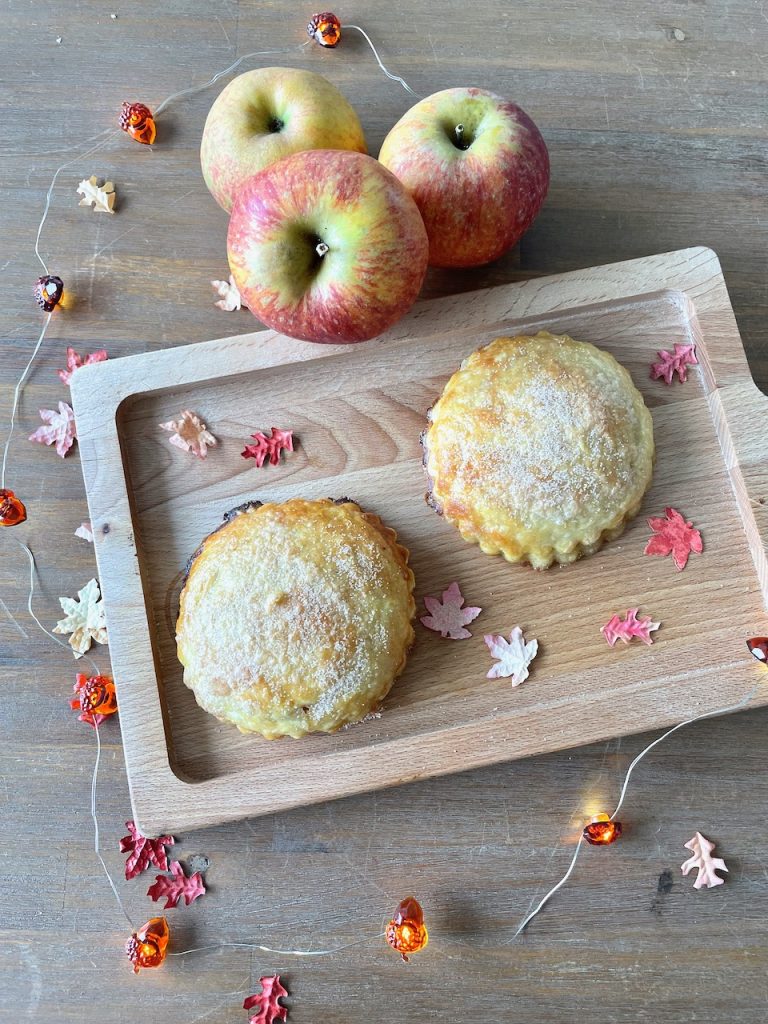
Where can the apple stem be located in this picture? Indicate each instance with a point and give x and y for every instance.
(321, 249)
(459, 133)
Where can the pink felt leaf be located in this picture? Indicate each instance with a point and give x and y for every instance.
(673, 535)
(172, 889)
(144, 851)
(625, 629)
(677, 362)
(75, 361)
(267, 1001)
(448, 617)
(190, 434)
(59, 429)
(279, 440)
(513, 655)
(705, 864)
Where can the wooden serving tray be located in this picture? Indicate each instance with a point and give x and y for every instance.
(358, 411)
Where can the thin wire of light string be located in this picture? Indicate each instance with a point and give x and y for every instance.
(646, 750)
(279, 952)
(30, 609)
(394, 78)
(17, 395)
(96, 846)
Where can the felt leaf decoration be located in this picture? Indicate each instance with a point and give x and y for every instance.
(705, 864)
(75, 361)
(229, 295)
(58, 428)
(172, 889)
(144, 851)
(447, 616)
(280, 440)
(101, 197)
(671, 363)
(85, 530)
(625, 629)
(513, 656)
(190, 434)
(267, 1001)
(672, 535)
(84, 619)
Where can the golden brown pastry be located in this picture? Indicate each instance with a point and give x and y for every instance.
(540, 449)
(296, 617)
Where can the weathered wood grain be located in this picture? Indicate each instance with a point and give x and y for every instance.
(658, 142)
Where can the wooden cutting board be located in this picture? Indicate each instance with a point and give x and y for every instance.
(358, 412)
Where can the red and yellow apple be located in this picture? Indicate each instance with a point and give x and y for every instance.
(327, 246)
(267, 114)
(478, 168)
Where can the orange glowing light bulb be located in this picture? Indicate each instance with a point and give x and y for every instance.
(147, 946)
(12, 510)
(324, 28)
(758, 648)
(49, 291)
(136, 119)
(406, 932)
(602, 831)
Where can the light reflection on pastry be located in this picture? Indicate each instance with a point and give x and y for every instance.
(540, 449)
(296, 617)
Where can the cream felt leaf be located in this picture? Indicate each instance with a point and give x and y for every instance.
(229, 295)
(513, 655)
(625, 629)
(101, 197)
(58, 428)
(447, 616)
(190, 434)
(85, 530)
(84, 619)
(705, 864)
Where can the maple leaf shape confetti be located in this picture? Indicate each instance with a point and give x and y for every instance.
(144, 851)
(677, 362)
(58, 428)
(704, 862)
(625, 629)
(101, 197)
(84, 619)
(448, 617)
(280, 440)
(190, 434)
(229, 295)
(267, 1001)
(673, 536)
(172, 889)
(75, 361)
(85, 531)
(513, 655)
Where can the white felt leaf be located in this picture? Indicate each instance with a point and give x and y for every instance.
(705, 864)
(513, 656)
(101, 197)
(229, 295)
(84, 618)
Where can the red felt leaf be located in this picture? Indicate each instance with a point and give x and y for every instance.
(172, 889)
(625, 629)
(75, 361)
(673, 535)
(144, 851)
(677, 362)
(270, 1009)
(279, 440)
(448, 617)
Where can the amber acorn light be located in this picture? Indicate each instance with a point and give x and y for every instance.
(12, 510)
(95, 695)
(324, 29)
(49, 291)
(601, 830)
(758, 648)
(136, 119)
(406, 932)
(147, 946)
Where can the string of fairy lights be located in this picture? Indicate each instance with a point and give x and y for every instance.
(147, 946)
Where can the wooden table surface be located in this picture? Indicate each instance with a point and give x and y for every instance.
(655, 119)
